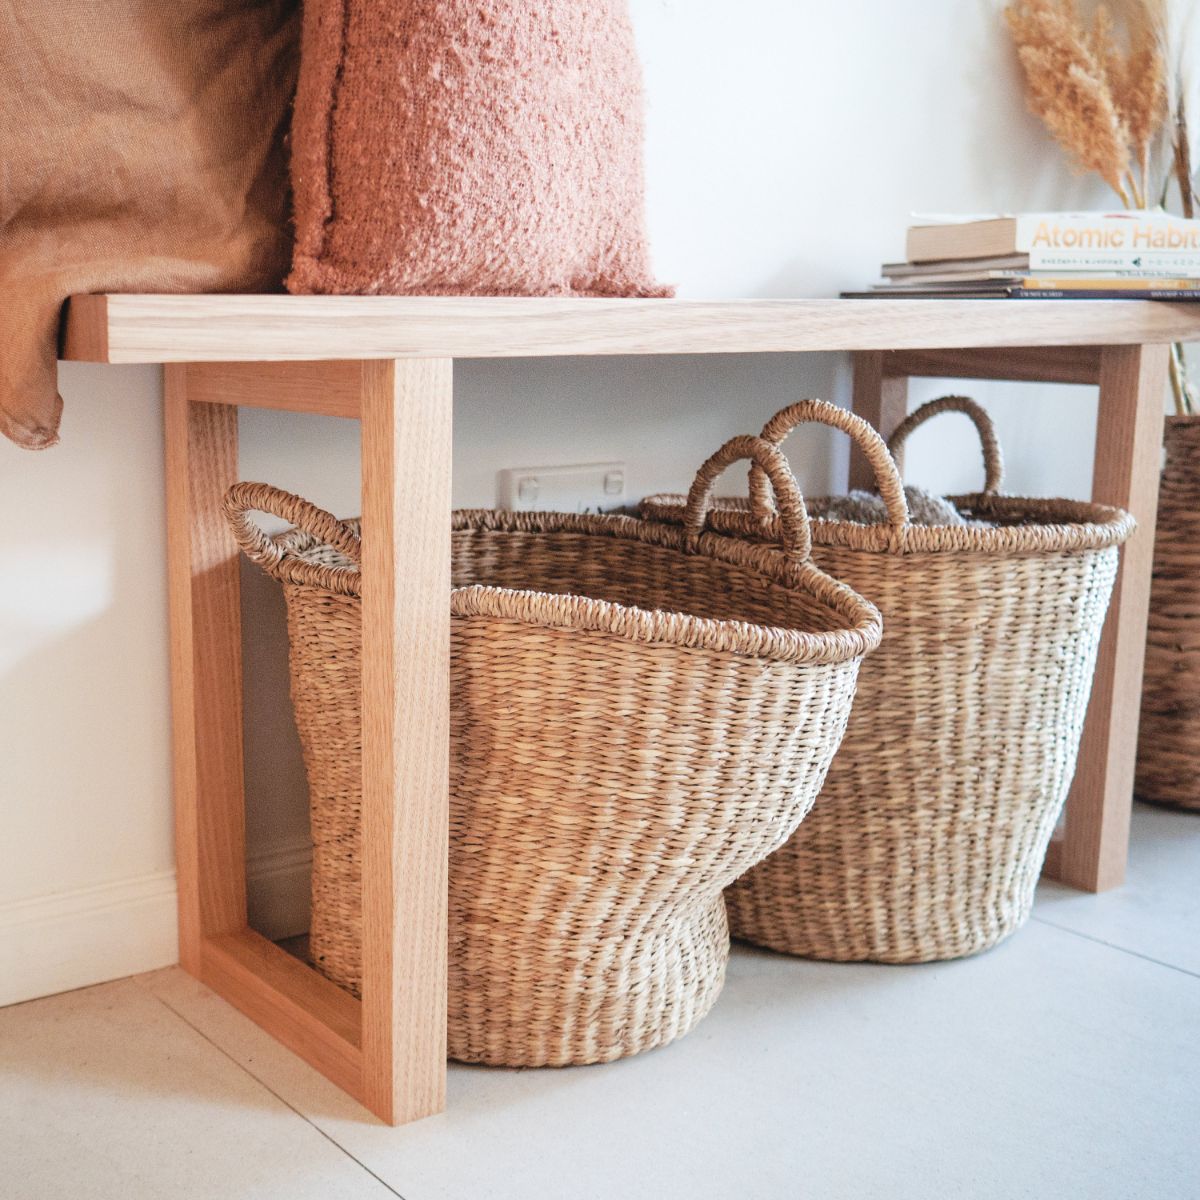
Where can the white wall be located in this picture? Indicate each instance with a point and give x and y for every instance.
(788, 140)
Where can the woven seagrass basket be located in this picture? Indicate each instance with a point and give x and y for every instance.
(1168, 766)
(639, 714)
(929, 835)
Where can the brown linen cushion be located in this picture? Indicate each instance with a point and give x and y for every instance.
(141, 149)
(469, 147)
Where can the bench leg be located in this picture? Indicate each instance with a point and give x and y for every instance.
(406, 455)
(881, 399)
(206, 668)
(1093, 851)
(389, 1052)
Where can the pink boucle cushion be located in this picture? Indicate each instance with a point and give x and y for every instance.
(484, 147)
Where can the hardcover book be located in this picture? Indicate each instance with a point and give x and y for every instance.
(1119, 234)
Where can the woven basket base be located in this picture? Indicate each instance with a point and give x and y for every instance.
(526, 999)
(560, 1009)
(956, 923)
(335, 927)
(800, 947)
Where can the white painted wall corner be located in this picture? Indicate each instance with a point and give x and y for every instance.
(66, 940)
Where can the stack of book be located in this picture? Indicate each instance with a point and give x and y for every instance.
(1049, 256)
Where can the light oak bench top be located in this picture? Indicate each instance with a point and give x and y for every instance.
(277, 328)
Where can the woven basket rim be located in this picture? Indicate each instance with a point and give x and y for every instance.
(1050, 525)
(572, 611)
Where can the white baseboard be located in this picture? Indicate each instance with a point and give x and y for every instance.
(68, 940)
(91, 935)
(277, 886)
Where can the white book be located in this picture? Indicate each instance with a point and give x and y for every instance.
(1121, 233)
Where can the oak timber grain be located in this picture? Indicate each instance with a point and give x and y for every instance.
(882, 401)
(396, 1064)
(1033, 364)
(206, 668)
(406, 468)
(160, 329)
(293, 1003)
(329, 388)
(1093, 851)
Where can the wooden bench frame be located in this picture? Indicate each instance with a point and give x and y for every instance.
(389, 363)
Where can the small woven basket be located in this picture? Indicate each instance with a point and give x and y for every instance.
(929, 835)
(639, 714)
(1168, 767)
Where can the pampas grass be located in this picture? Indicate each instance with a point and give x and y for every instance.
(1137, 79)
(1182, 163)
(1102, 95)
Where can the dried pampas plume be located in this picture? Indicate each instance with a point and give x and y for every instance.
(1104, 102)
(1137, 80)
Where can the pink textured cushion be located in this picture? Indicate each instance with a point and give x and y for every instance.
(485, 147)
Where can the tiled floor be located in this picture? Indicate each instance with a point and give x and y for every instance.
(1064, 1064)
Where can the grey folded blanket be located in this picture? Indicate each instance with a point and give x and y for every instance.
(867, 508)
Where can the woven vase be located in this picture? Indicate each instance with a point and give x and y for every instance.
(639, 714)
(1168, 766)
(929, 835)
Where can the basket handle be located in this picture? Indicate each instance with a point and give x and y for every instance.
(793, 516)
(993, 458)
(243, 498)
(887, 477)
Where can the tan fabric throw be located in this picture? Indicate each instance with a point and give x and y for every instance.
(485, 147)
(141, 149)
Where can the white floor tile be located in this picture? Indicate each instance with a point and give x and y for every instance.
(1051, 1067)
(1058, 1065)
(105, 1094)
(1157, 912)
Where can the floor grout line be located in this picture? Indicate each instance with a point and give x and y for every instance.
(267, 1087)
(1088, 937)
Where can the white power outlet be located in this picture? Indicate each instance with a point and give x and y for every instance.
(586, 487)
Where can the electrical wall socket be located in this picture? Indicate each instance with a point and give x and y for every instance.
(585, 487)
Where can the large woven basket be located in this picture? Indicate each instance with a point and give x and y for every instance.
(1168, 767)
(639, 714)
(929, 835)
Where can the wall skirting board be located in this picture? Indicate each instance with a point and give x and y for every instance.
(68, 940)
(277, 887)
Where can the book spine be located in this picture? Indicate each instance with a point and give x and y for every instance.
(1111, 233)
(1022, 293)
(1124, 283)
(1131, 263)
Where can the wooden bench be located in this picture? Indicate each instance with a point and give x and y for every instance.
(389, 362)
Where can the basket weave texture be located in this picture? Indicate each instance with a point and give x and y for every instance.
(1168, 767)
(928, 837)
(639, 713)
